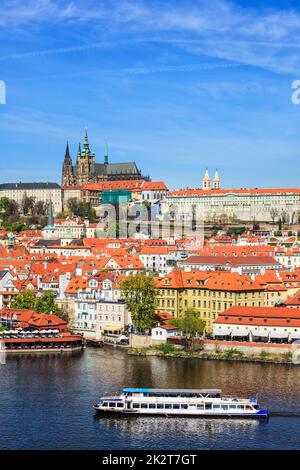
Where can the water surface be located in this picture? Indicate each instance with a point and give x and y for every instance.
(46, 403)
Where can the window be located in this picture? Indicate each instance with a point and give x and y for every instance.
(184, 407)
(152, 405)
(135, 405)
(112, 404)
(176, 406)
(168, 406)
(120, 405)
(144, 405)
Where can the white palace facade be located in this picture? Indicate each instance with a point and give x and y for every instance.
(261, 205)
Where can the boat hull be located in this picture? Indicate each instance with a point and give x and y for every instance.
(261, 414)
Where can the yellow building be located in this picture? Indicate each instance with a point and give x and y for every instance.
(209, 293)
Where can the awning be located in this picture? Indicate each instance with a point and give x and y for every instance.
(260, 334)
(295, 335)
(222, 332)
(240, 333)
(113, 328)
(277, 335)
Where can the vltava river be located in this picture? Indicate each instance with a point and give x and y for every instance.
(46, 403)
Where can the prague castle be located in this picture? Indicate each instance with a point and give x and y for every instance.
(86, 170)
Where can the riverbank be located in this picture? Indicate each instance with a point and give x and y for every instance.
(169, 350)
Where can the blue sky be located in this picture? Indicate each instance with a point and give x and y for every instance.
(174, 85)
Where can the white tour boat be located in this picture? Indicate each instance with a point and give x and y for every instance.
(180, 402)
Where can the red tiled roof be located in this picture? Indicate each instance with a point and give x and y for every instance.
(232, 260)
(250, 191)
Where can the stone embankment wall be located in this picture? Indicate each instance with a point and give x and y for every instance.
(142, 341)
(249, 348)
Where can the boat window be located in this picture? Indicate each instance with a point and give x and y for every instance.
(105, 403)
(176, 407)
(152, 405)
(200, 407)
(248, 407)
(224, 407)
(232, 407)
(168, 406)
(135, 405)
(120, 405)
(159, 405)
(208, 406)
(217, 407)
(112, 404)
(144, 405)
(184, 407)
(240, 407)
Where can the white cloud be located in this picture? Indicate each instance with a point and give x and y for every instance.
(266, 38)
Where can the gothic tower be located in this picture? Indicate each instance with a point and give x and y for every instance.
(85, 164)
(206, 180)
(216, 182)
(67, 172)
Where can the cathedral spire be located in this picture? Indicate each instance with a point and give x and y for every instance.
(67, 155)
(86, 146)
(106, 154)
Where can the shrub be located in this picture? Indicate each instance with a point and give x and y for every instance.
(230, 353)
(166, 348)
(264, 354)
(287, 355)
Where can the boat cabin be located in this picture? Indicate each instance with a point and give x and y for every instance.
(176, 393)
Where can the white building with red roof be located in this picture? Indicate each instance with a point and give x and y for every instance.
(266, 324)
(243, 204)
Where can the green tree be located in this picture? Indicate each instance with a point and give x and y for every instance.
(46, 304)
(13, 226)
(4, 206)
(86, 211)
(139, 293)
(73, 206)
(8, 207)
(25, 300)
(190, 324)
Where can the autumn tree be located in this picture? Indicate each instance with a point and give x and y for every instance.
(139, 293)
(27, 205)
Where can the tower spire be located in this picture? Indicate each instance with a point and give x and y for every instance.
(86, 143)
(206, 180)
(216, 182)
(50, 214)
(106, 153)
(67, 151)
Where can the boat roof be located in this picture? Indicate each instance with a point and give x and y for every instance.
(171, 390)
